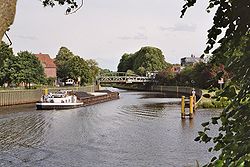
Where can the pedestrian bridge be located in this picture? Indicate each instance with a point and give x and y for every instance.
(119, 77)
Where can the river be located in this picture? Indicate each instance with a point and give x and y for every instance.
(140, 129)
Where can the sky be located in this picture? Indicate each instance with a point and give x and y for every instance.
(106, 29)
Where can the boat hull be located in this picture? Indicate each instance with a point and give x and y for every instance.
(52, 106)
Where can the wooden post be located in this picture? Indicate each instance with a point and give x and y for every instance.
(191, 107)
(183, 107)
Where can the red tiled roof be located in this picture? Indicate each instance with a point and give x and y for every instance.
(45, 59)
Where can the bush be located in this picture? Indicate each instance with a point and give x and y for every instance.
(217, 104)
(207, 104)
(218, 92)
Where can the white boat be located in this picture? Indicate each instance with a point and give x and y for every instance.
(60, 100)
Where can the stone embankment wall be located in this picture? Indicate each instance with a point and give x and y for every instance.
(172, 91)
(14, 97)
(177, 90)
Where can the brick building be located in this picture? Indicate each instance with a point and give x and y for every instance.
(48, 65)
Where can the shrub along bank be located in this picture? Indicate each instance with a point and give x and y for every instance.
(212, 100)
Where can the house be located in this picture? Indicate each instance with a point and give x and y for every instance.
(48, 65)
(190, 60)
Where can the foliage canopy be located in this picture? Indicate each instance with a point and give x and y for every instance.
(146, 59)
(72, 4)
(70, 66)
(23, 68)
(233, 140)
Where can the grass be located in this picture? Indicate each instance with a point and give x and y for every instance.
(212, 100)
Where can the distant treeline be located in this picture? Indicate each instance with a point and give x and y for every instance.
(25, 69)
(151, 59)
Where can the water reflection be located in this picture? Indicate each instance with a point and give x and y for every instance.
(187, 123)
(139, 129)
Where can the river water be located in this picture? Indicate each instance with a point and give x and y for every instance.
(138, 130)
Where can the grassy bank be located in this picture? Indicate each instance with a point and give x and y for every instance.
(212, 100)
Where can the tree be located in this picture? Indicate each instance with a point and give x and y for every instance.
(5, 54)
(50, 81)
(70, 66)
(62, 58)
(29, 69)
(130, 73)
(146, 59)
(8, 70)
(233, 138)
(141, 71)
(184, 78)
(8, 11)
(94, 69)
(24, 68)
(166, 76)
(206, 75)
(78, 67)
(105, 71)
(126, 63)
(150, 58)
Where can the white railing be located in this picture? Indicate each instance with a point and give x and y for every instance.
(124, 79)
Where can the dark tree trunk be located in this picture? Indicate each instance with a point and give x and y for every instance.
(7, 15)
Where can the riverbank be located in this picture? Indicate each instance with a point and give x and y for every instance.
(205, 99)
(16, 97)
(170, 91)
(211, 100)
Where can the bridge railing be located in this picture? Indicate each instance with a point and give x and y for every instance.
(124, 79)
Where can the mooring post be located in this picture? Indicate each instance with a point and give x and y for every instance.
(194, 103)
(183, 107)
(45, 91)
(191, 107)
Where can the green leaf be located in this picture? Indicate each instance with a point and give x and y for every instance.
(201, 133)
(205, 138)
(206, 129)
(215, 120)
(205, 124)
(213, 159)
(197, 138)
(210, 149)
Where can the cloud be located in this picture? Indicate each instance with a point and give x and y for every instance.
(138, 36)
(180, 27)
(26, 37)
(142, 28)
